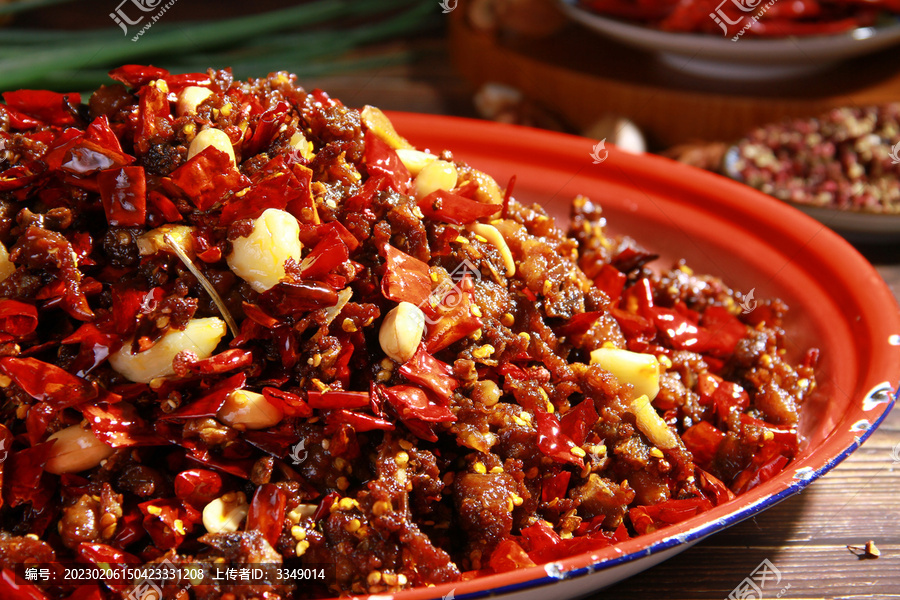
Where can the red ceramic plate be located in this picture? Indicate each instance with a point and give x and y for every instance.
(839, 304)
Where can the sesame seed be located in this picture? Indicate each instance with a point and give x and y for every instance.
(352, 526)
(483, 351)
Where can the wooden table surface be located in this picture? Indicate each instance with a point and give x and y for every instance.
(806, 536)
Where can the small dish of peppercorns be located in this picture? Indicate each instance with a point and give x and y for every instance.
(842, 168)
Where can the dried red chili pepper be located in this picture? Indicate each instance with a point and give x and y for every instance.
(266, 514)
(166, 208)
(337, 399)
(611, 281)
(17, 318)
(238, 467)
(785, 439)
(124, 195)
(20, 176)
(207, 177)
(168, 520)
(48, 383)
(725, 330)
(51, 108)
(267, 128)
(119, 425)
(578, 422)
(154, 122)
(381, 160)
(703, 441)
(12, 590)
(137, 75)
(259, 316)
(447, 207)
(406, 279)
(325, 505)
(713, 488)
(647, 519)
(210, 403)
(43, 248)
(718, 335)
(727, 397)
(287, 298)
(176, 83)
(425, 370)
(552, 442)
(277, 189)
(223, 362)
(291, 405)
(544, 545)
(508, 556)
(555, 486)
(198, 487)
(326, 256)
(358, 421)
(412, 402)
(24, 479)
(98, 553)
(456, 319)
(310, 235)
(758, 473)
(362, 199)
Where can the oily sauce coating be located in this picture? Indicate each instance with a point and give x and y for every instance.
(414, 380)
